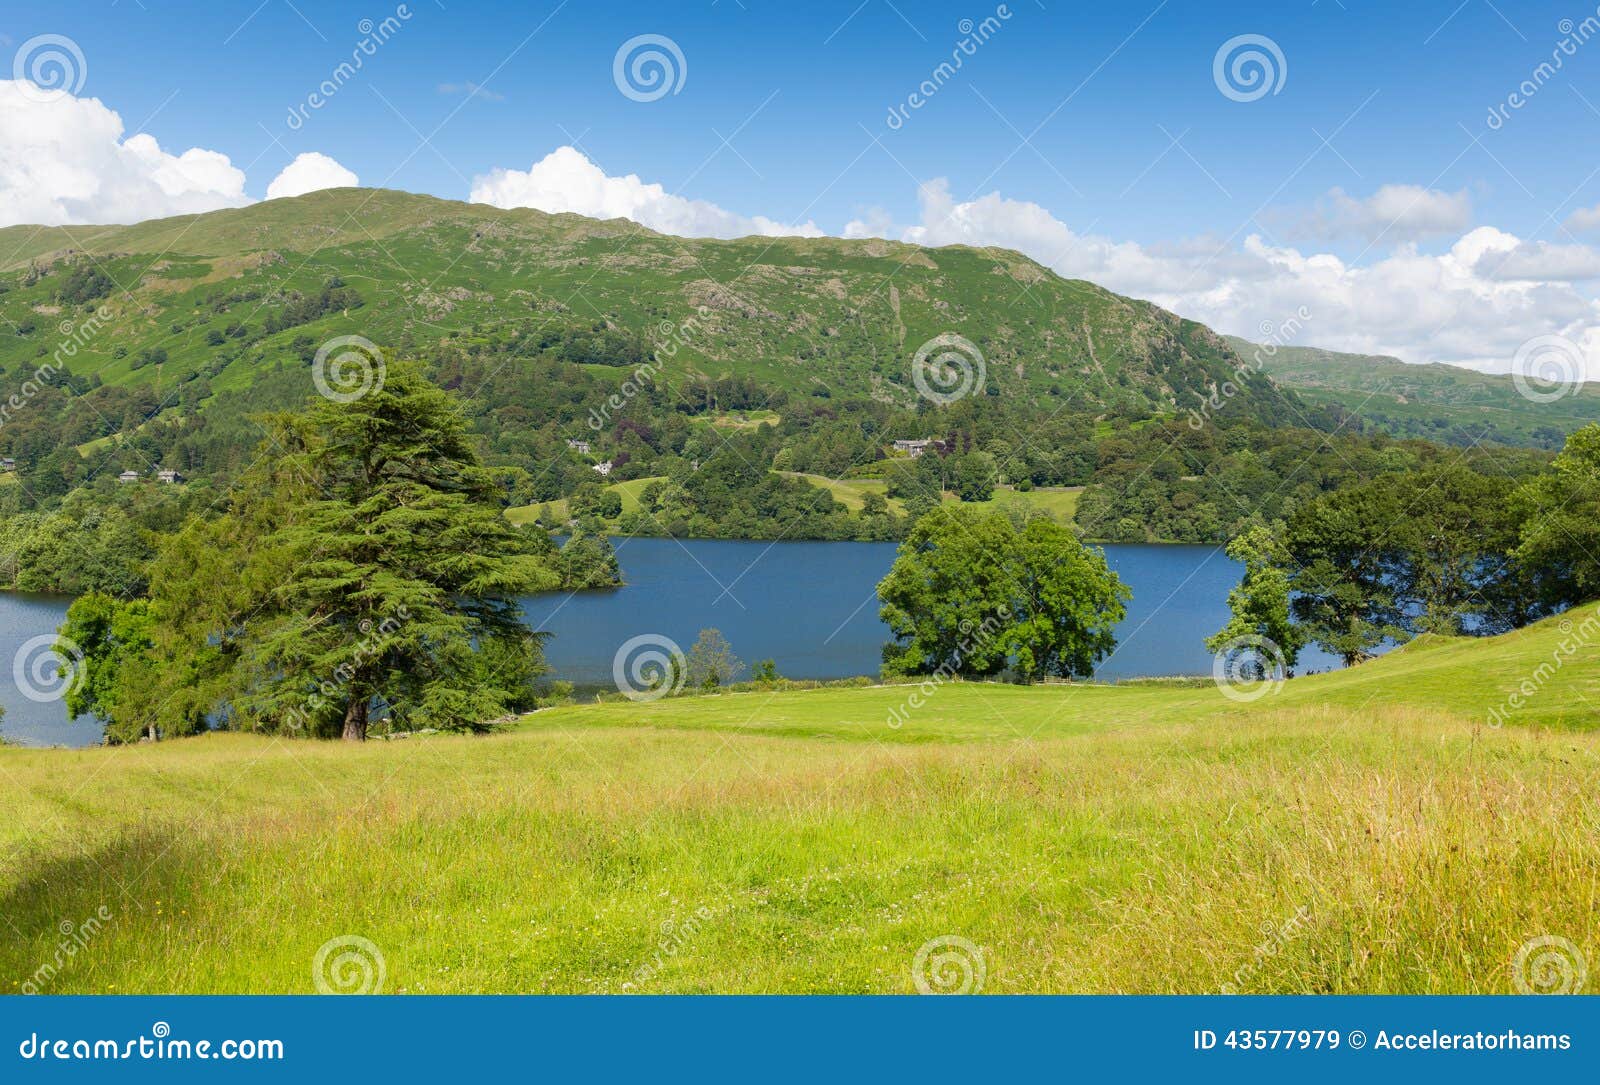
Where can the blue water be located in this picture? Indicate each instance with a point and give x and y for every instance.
(34, 714)
(810, 606)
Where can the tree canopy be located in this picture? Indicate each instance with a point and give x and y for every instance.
(362, 567)
(973, 594)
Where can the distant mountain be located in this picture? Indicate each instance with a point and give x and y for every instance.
(1440, 402)
(219, 296)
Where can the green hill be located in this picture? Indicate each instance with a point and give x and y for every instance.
(223, 294)
(1370, 827)
(1438, 402)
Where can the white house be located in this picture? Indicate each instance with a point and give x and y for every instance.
(167, 474)
(914, 448)
(604, 467)
(128, 476)
(580, 447)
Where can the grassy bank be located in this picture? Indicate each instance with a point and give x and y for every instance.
(1368, 825)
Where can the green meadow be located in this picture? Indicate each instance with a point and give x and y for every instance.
(1371, 830)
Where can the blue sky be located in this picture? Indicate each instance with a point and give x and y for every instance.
(1129, 140)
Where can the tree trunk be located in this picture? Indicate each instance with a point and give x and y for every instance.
(355, 719)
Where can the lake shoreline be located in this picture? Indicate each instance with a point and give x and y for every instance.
(810, 606)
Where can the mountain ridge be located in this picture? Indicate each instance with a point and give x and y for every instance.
(839, 314)
(1433, 400)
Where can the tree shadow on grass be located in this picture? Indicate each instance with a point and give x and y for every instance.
(58, 911)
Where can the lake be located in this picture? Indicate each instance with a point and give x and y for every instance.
(810, 606)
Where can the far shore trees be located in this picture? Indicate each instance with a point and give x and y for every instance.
(973, 594)
(711, 663)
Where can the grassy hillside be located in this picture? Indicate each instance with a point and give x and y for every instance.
(628, 491)
(1059, 502)
(1367, 827)
(1439, 402)
(815, 315)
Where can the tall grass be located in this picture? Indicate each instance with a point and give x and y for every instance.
(1087, 839)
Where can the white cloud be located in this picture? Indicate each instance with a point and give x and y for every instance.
(1584, 220)
(1393, 214)
(1417, 306)
(63, 160)
(1540, 260)
(565, 180)
(310, 172)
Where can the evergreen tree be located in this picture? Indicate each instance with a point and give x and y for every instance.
(397, 571)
